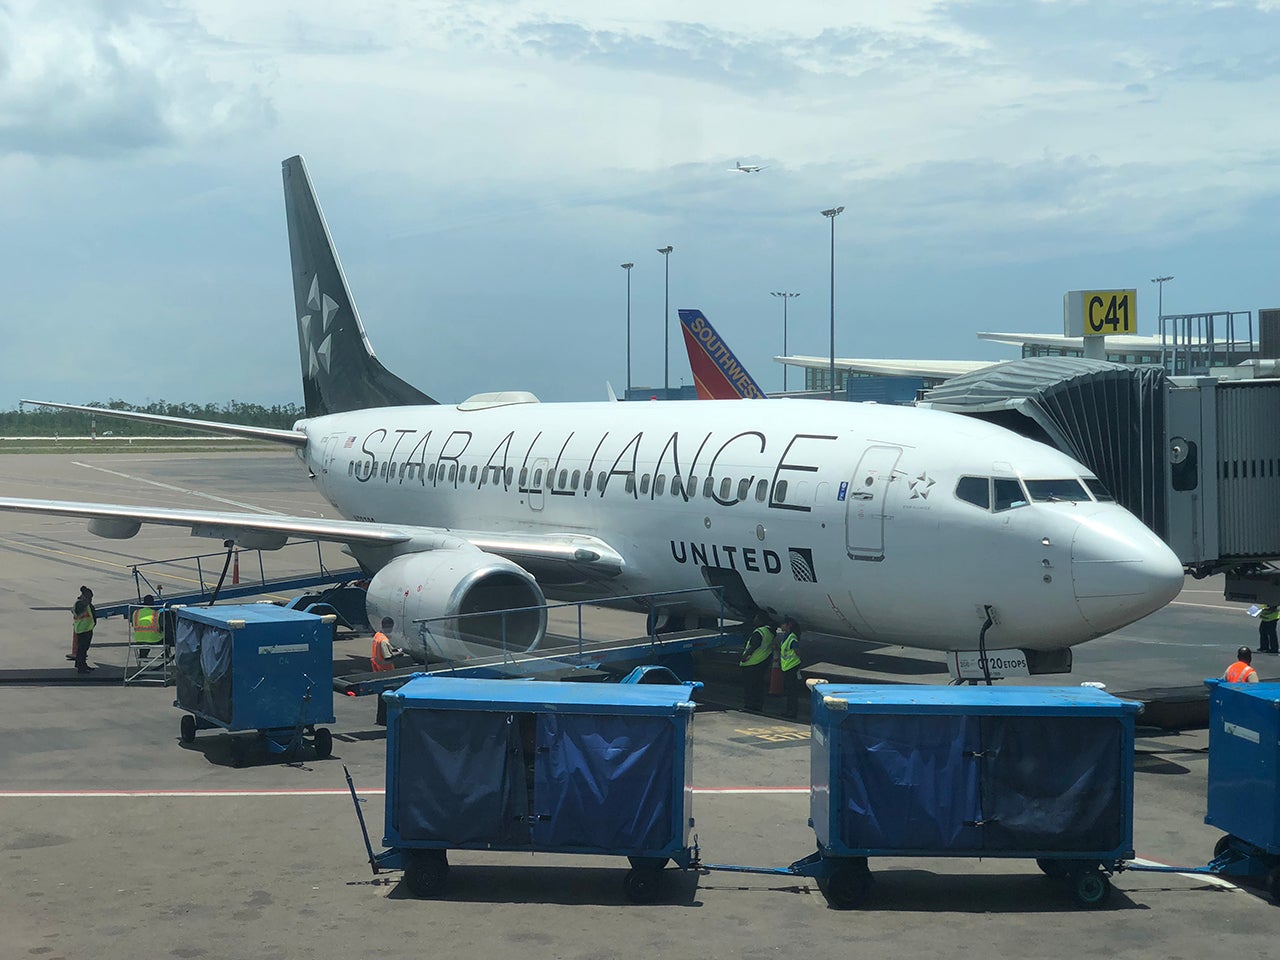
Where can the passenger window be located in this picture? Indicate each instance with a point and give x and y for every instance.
(708, 486)
(587, 478)
(659, 484)
(675, 485)
(602, 480)
(351, 467)
(524, 476)
(510, 473)
(573, 480)
(691, 487)
(762, 490)
(726, 488)
(644, 483)
(564, 479)
(474, 471)
(630, 485)
(453, 472)
(744, 488)
(780, 491)
(1008, 494)
(537, 478)
(975, 490)
(431, 472)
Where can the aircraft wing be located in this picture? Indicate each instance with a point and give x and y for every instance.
(270, 532)
(291, 437)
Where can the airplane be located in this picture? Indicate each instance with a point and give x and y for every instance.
(717, 373)
(890, 524)
(740, 167)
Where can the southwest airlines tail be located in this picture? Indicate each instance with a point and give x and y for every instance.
(339, 369)
(717, 373)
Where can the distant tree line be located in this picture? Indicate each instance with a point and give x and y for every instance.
(47, 422)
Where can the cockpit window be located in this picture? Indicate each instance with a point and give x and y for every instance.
(1099, 492)
(975, 490)
(1008, 494)
(1069, 489)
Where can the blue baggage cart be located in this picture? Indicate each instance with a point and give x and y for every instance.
(255, 667)
(1038, 772)
(527, 765)
(1244, 780)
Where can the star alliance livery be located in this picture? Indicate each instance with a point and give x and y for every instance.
(890, 524)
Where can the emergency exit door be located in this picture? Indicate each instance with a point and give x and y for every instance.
(865, 506)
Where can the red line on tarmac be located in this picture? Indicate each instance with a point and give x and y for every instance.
(300, 792)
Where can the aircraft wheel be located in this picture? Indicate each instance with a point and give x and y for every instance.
(187, 728)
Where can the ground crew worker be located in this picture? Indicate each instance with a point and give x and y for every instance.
(789, 661)
(147, 626)
(380, 656)
(1241, 671)
(83, 619)
(1267, 629)
(754, 664)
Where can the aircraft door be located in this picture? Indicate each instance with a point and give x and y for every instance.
(328, 453)
(864, 512)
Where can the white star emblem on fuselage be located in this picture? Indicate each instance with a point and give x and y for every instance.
(920, 486)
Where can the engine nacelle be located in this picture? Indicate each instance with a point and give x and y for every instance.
(465, 587)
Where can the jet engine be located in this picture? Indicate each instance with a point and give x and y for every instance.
(459, 592)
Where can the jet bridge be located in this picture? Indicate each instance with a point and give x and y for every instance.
(1195, 458)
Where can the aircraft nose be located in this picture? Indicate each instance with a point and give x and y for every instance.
(1121, 571)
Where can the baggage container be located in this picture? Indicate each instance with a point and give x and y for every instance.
(526, 765)
(1244, 779)
(255, 667)
(1037, 772)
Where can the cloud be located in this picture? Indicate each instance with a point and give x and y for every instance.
(95, 79)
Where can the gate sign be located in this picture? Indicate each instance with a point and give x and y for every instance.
(1096, 313)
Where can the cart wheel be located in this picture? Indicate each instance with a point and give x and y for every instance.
(187, 728)
(848, 886)
(648, 863)
(1225, 843)
(323, 743)
(643, 886)
(1054, 869)
(427, 873)
(1090, 888)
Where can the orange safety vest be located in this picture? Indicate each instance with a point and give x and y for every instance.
(1239, 672)
(380, 663)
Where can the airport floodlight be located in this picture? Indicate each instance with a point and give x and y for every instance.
(666, 318)
(785, 295)
(627, 267)
(831, 215)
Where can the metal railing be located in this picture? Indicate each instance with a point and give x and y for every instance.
(144, 572)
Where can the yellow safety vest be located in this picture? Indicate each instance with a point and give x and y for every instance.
(790, 659)
(147, 627)
(1270, 613)
(750, 656)
(83, 622)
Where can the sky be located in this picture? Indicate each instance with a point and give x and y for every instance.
(486, 166)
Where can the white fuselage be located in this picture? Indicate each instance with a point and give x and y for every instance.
(845, 515)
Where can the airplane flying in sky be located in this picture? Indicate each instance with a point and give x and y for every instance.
(890, 524)
(740, 167)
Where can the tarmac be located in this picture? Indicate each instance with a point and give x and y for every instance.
(118, 841)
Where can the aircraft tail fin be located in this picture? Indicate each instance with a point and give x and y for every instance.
(717, 373)
(340, 371)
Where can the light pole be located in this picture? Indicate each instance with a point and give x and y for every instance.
(627, 267)
(1160, 282)
(785, 297)
(831, 215)
(666, 318)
